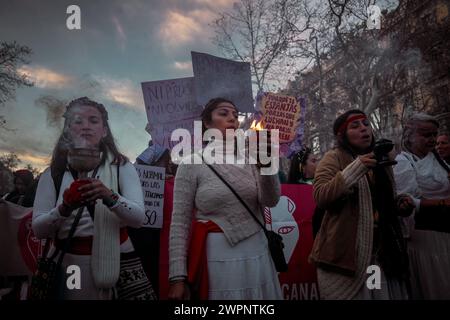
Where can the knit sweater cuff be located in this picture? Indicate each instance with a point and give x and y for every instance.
(177, 269)
(353, 172)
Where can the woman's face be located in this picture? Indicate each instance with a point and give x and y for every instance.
(423, 139)
(224, 116)
(20, 186)
(359, 134)
(86, 126)
(443, 146)
(310, 167)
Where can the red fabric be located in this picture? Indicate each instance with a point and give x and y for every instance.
(343, 126)
(72, 197)
(164, 239)
(197, 260)
(83, 245)
(300, 281)
(30, 246)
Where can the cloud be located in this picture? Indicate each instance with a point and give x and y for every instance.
(183, 65)
(122, 37)
(121, 91)
(181, 28)
(178, 29)
(46, 78)
(40, 162)
(216, 3)
(35, 159)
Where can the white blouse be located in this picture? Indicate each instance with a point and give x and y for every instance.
(421, 178)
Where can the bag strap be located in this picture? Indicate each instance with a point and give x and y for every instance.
(237, 196)
(72, 230)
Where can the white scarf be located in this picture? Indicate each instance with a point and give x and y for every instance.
(105, 263)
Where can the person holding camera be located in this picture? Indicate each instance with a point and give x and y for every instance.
(228, 256)
(360, 227)
(422, 173)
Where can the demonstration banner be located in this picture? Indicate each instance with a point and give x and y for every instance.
(152, 182)
(170, 104)
(284, 113)
(20, 248)
(219, 77)
(292, 219)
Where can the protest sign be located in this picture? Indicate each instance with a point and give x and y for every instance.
(170, 104)
(218, 77)
(152, 182)
(281, 112)
(285, 113)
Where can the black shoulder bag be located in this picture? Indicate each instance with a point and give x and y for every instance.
(275, 241)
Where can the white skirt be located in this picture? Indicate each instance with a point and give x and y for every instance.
(429, 259)
(243, 272)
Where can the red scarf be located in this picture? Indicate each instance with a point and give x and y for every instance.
(197, 260)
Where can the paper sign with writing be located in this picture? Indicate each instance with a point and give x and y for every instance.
(152, 182)
(218, 77)
(281, 112)
(170, 104)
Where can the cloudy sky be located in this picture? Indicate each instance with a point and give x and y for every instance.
(120, 45)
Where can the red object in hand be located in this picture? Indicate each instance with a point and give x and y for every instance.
(72, 197)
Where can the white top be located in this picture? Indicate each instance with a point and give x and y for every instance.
(46, 218)
(421, 178)
(196, 186)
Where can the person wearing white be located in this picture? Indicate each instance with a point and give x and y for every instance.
(239, 264)
(423, 175)
(114, 196)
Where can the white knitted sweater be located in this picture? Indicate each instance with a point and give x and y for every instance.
(197, 187)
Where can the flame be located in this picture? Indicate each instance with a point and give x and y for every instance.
(256, 126)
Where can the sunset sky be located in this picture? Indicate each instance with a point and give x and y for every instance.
(120, 45)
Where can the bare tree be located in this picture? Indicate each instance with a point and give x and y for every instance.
(11, 56)
(10, 161)
(261, 32)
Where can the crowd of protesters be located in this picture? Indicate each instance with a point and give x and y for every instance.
(394, 216)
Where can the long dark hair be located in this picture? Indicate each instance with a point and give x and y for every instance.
(58, 163)
(342, 140)
(299, 158)
(209, 108)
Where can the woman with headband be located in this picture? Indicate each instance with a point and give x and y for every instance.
(360, 227)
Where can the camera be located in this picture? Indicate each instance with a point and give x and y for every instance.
(381, 149)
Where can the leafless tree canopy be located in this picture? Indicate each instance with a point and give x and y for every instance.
(11, 56)
(332, 58)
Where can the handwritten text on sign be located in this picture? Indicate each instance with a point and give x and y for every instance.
(152, 182)
(170, 104)
(281, 112)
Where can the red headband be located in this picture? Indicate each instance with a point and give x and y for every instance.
(343, 126)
